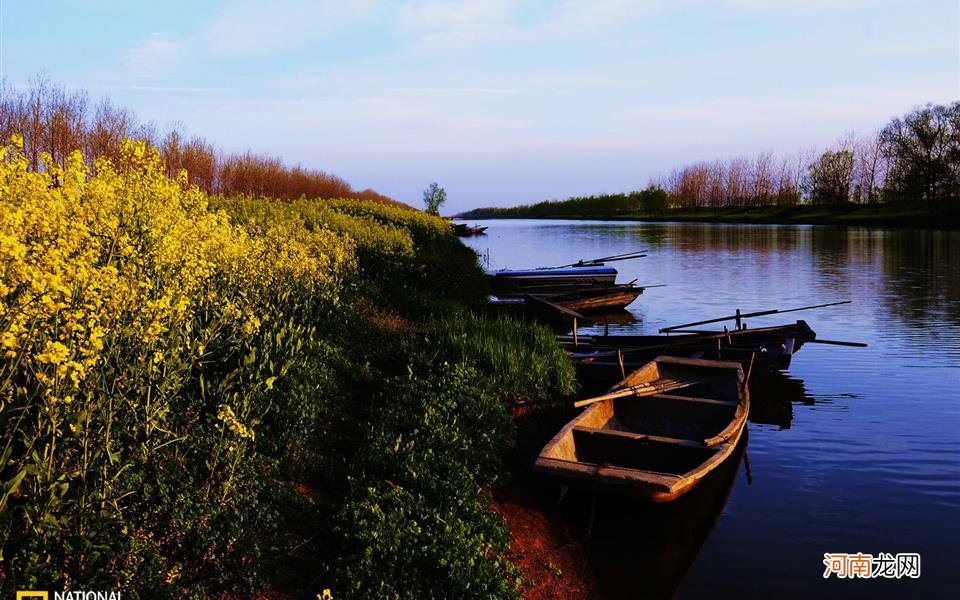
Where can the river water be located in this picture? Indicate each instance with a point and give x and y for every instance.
(851, 450)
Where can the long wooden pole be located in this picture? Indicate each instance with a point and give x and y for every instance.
(615, 257)
(837, 343)
(761, 313)
(746, 378)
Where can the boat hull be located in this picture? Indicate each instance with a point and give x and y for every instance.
(655, 447)
(543, 281)
(597, 361)
(614, 299)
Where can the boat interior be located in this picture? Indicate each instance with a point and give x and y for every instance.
(665, 432)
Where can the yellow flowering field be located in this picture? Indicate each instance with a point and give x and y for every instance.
(173, 367)
(132, 320)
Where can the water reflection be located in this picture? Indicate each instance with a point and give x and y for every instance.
(621, 320)
(644, 550)
(852, 449)
(772, 396)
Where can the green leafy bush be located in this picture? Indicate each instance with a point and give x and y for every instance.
(416, 522)
(521, 360)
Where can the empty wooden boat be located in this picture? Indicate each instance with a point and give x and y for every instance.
(545, 281)
(775, 344)
(642, 441)
(597, 359)
(598, 298)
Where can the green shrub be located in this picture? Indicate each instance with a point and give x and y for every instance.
(416, 522)
(399, 544)
(521, 360)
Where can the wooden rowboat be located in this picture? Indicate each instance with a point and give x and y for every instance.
(639, 441)
(598, 299)
(774, 345)
(597, 359)
(547, 281)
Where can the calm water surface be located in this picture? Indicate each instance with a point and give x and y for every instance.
(852, 449)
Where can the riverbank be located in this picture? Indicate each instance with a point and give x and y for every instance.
(853, 216)
(219, 397)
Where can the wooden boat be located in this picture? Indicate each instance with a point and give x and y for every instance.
(549, 281)
(598, 298)
(464, 230)
(598, 358)
(639, 441)
(763, 339)
(550, 306)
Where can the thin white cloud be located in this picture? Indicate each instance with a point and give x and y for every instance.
(789, 7)
(453, 90)
(248, 27)
(163, 88)
(438, 25)
(153, 57)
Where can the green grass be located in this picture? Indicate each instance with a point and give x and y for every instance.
(527, 364)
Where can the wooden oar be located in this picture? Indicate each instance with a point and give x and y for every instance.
(644, 389)
(545, 304)
(761, 313)
(746, 378)
(593, 261)
(837, 343)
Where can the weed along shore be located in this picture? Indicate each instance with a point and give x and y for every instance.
(222, 396)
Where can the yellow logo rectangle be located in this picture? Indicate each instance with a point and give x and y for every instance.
(26, 595)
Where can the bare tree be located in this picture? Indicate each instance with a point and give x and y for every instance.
(109, 127)
(738, 181)
(65, 117)
(762, 178)
(716, 184)
(870, 167)
(786, 187)
(804, 158)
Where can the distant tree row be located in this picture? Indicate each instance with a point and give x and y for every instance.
(58, 121)
(652, 200)
(913, 161)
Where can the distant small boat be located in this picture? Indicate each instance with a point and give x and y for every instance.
(640, 441)
(464, 230)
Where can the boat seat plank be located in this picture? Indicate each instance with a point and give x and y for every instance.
(638, 436)
(695, 399)
(638, 452)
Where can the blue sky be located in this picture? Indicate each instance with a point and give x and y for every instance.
(500, 101)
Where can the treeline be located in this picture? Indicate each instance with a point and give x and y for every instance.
(913, 161)
(651, 200)
(55, 120)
